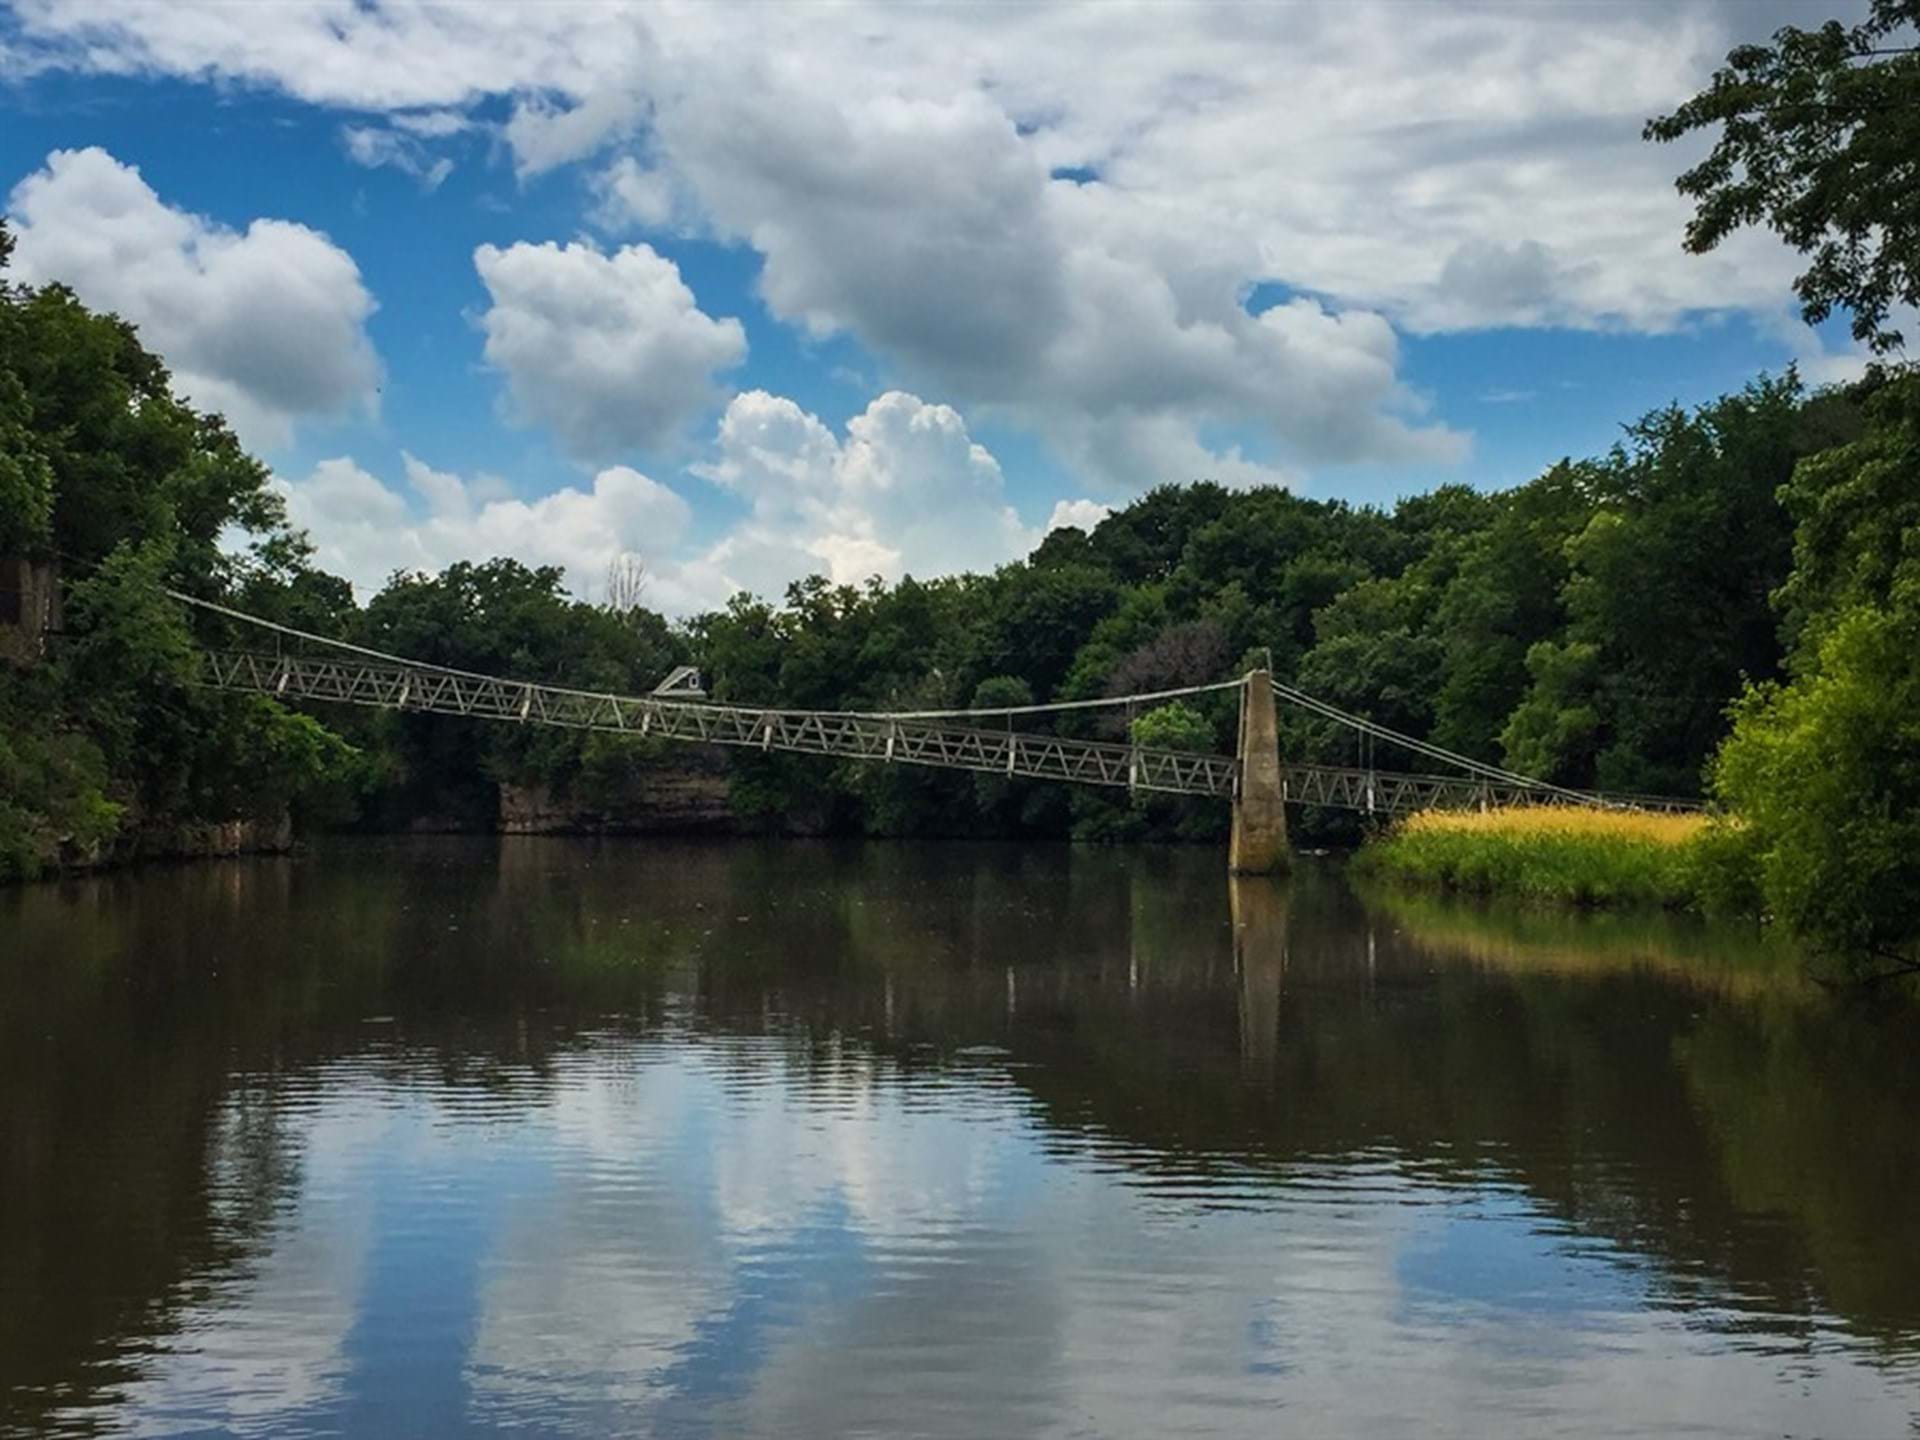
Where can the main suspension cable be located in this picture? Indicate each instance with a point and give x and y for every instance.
(1427, 748)
(387, 657)
(1141, 698)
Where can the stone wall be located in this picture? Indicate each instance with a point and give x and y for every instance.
(230, 837)
(687, 798)
(174, 840)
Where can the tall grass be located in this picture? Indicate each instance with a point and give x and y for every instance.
(1579, 857)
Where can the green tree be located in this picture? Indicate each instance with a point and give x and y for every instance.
(1554, 733)
(1144, 814)
(1503, 597)
(1173, 726)
(1825, 772)
(1271, 560)
(1004, 803)
(508, 619)
(1374, 656)
(1034, 621)
(103, 467)
(1819, 134)
(26, 479)
(1143, 542)
(1855, 508)
(1663, 624)
(131, 646)
(903, 799)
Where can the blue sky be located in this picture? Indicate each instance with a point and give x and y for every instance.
(882, 291)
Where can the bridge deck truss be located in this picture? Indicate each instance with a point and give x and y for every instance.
(855, 737)
(1390, 792)
(877, 738)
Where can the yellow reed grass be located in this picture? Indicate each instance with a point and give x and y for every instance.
(1640, 827)
(1577, 856)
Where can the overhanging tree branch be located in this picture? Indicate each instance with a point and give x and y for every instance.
(1820, 142)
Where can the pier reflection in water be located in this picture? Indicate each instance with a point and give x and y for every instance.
(786, 1139)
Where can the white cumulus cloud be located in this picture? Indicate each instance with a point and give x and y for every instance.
(267, 325)
(610, 352)
(365, 529)
(948, 249)
(907, 491)
(1449, 164)
(407, 54)
(1079, 514)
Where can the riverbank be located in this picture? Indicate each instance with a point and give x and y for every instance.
(1567, 856)
(33, 857)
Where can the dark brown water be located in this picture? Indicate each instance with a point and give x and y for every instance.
(431, 1138)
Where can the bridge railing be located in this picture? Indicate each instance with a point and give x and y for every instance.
(947, 742)
(1393, 792)
(854, 736)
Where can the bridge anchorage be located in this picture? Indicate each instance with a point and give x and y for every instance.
(1253, 778)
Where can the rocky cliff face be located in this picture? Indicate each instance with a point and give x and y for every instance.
(226, 837)
(177, 840)
(674, 801)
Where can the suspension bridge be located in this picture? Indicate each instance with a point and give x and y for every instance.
(986, 741)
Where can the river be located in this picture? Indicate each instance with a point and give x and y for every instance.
(434, 1137)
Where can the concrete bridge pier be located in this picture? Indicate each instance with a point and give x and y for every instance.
(1259, 844)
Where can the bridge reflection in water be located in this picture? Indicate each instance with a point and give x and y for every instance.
(732, 1138)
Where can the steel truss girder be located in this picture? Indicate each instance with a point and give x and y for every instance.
(1389, 792)
(855, 737)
